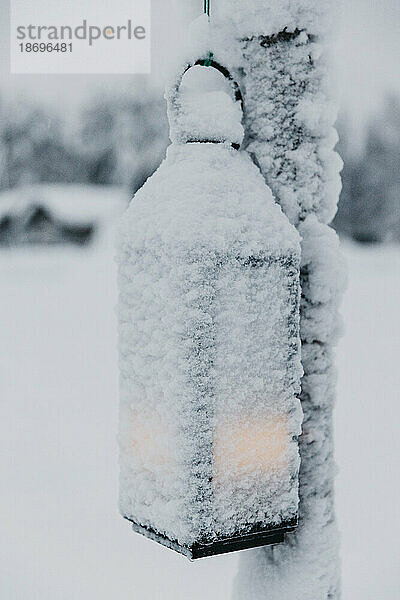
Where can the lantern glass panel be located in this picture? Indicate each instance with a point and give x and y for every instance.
(220, 460)
(250, 446)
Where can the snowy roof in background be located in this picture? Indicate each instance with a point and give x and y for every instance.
(73, 203)
(261, 17)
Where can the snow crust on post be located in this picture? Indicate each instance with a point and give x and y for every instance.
(289, 132)
(209, 348)
(261, 17)
(290, 124)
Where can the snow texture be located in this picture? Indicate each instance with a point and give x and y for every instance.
(258, 17)
(195, 112)
(289, 127)
(307, 563)
(232, 21)
(209, 116)
(289, 114)
(209, 349)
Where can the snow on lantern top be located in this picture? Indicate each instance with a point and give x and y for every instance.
(209, 353)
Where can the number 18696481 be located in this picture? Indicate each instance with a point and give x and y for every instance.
(45, 47)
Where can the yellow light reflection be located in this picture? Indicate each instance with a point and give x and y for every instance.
(250, 446)
(151, 440)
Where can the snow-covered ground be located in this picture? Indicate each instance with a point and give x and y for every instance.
(367, 425)
(62, 537)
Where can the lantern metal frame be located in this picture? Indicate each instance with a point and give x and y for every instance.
(259, 536)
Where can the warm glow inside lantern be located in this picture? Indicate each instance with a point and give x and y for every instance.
(209, 456)
(209, 350)
(250, 446)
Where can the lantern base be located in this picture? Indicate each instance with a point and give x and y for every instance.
(275, 535)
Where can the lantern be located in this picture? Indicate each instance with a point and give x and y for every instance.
(209, 343)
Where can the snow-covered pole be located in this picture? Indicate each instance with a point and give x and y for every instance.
(289, 133)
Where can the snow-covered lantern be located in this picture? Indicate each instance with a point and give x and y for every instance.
(209, 342)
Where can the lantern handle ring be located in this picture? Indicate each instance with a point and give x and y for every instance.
(209, 62)
(172, 92)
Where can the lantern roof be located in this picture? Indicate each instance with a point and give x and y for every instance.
(207, 194)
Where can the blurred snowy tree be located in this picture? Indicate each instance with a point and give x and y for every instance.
(96, 135)
(33, 147)
(121, 139)
(369, 208)
(124, 137)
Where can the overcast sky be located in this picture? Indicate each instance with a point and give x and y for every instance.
(367, 52)
(366, 56)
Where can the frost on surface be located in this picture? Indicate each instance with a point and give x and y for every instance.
(289, 115)
(209, 349)
(258, 17)
(202, 108)
(289, 119)
(289, 122)
(210, 116)
(275, 50)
